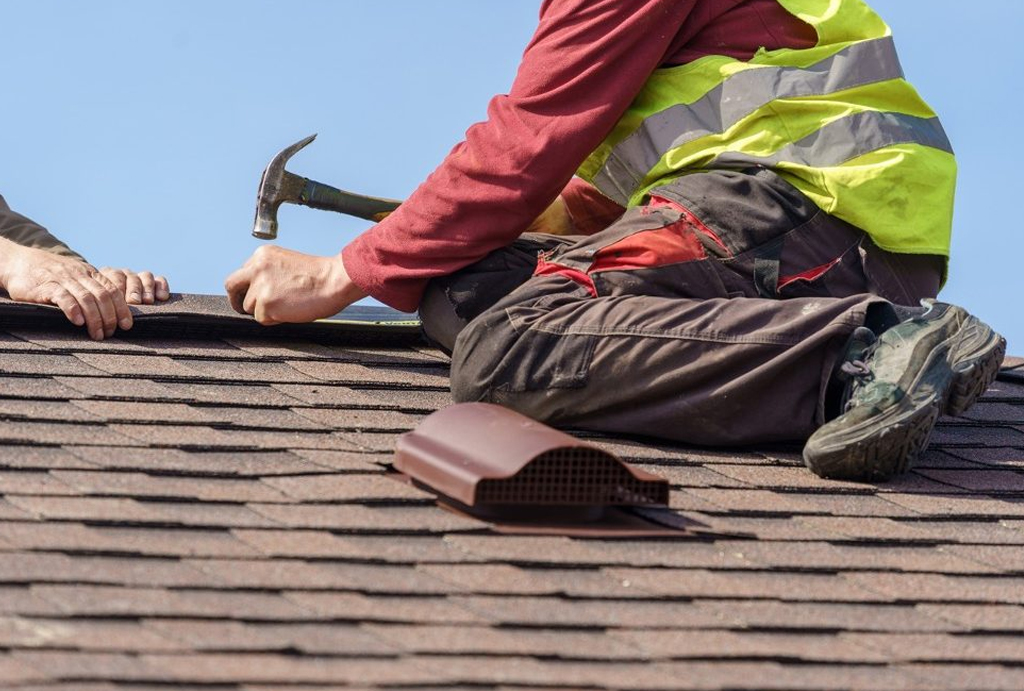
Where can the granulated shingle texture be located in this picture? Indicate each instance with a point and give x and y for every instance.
(204, 506)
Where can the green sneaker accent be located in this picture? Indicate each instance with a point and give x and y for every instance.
(939, 362)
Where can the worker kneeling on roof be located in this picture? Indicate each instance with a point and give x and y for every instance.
(37, 267)
(761, 203)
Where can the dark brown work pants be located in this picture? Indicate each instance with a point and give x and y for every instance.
(713, 315)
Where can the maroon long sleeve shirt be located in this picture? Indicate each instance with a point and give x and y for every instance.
(583, 67)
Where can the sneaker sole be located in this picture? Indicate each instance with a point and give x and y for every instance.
(906, 432)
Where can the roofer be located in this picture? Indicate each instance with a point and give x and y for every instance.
(37, 267)
(771, 201)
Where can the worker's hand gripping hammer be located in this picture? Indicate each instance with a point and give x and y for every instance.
(279, 186)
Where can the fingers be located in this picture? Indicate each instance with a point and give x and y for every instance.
(115, 298)
(237, 287)
(161, 289)
(101, 300)
(66, 302)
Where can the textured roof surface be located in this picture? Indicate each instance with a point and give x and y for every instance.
(214, 513)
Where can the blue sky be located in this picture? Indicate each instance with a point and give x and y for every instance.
(137, 131)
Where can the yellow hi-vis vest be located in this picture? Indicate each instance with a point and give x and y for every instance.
(838, 121)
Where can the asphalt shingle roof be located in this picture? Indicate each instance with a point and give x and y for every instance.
(202, 504)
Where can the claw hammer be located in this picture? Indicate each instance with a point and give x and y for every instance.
(278, 186)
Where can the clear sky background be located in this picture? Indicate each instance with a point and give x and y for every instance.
(137, 131)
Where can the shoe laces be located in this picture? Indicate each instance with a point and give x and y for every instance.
(857, 373)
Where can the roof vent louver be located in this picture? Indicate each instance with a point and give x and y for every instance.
(487, 458)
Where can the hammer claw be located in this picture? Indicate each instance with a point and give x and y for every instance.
(279, 186)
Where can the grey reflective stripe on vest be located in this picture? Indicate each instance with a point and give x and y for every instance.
(739, 96)
(846, 139)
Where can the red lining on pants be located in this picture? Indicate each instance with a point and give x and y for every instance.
(657, 202)
(671, 244)
(809, 275)
(546, 268)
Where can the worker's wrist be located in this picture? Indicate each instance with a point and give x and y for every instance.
(10, 254)
(346, 290)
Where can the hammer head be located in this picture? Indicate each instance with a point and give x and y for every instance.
(276, 187)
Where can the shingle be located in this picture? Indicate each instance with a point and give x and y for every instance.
(274, 439)
(125, 389)
(45, 364)
(765, 614)
(24, 432)
(939, 587)
(134, 365)
(321, 544)
(276, 419)
(986, 617)
(493, 579)
(478, 640)
(348, 487)
(869, 528)
(22, 601)
(966, 531)
(996, 412)
(854, 557)
(175, 435)
(962, 506)
(368, 441)
(363, 420)
(85, 666)
(291, 574)
(752, 501)
(110, 636)
(17, 341)
(409, 400)
(141, 411)
(15, 671)
(38, 457)
(41, 388)
(77, 538)
(972, 435)
(265, 668)
(348, 461)
(560, 550)
(246, 371)
(357, 607)
(252, 395)
(348, 517)
(555, 611)
(33, 482)
(995, 456)
(61, 411)
(325, 639)
(779, 585)
(239, 490)
(349, 373)
(92, 509)
(200, 464)
(114, 601)
(207, 514)
(52, 567)
(724, 645)
(939, 647)
(972, 676)
(1005, 558)
(990, 481)
(326, 394)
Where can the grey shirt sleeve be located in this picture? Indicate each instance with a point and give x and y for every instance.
(24, 231)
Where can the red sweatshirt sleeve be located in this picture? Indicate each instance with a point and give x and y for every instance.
(586, 62)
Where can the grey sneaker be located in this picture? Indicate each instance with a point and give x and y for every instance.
(939, 362)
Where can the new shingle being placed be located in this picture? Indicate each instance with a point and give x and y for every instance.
(203, 503)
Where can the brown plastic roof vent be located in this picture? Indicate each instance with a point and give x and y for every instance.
(487, 457)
